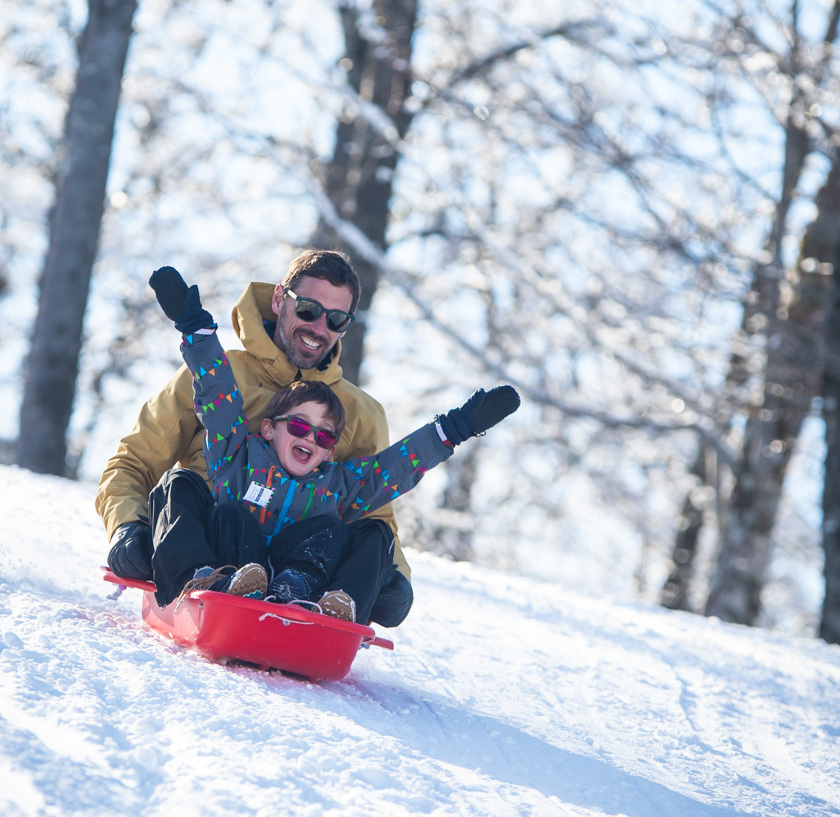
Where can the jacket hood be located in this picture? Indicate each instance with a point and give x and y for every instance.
(249, 312)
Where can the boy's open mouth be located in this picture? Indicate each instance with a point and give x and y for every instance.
(302, 453)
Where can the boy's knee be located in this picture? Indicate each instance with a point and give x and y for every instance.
(235, 535)
(182, 483)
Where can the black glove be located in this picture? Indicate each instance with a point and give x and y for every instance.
(131, 551)
(179, 302)
(482, 411)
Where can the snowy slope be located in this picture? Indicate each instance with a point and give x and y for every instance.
(504, 696)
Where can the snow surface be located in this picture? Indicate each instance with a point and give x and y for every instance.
(504, 696)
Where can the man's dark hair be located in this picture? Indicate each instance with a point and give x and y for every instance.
(330, 265)
(305, 391)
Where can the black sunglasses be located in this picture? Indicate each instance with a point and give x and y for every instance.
(308, 310)
(298, 427)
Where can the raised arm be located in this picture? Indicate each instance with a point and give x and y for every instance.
(371, 482)
(218, 401)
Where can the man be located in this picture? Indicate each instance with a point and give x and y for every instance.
(289, 332)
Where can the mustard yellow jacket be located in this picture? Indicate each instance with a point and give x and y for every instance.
(168, 433)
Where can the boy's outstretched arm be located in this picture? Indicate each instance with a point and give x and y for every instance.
(363, 484)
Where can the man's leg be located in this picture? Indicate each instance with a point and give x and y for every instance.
(381, 593)
(394, 601)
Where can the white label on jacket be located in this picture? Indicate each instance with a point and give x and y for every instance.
(258, 494)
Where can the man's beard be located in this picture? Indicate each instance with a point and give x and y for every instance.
(298, 353)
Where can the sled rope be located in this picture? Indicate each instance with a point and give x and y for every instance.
(300, 602)
(286, 621)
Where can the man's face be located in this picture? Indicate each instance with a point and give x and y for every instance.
(306, 344)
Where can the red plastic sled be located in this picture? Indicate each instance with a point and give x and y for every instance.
(282, 636)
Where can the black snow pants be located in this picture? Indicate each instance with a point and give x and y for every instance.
(382, 594)
(189, 531)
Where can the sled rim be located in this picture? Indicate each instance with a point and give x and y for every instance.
(287, 613)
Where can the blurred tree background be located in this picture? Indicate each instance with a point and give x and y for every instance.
(629, 212)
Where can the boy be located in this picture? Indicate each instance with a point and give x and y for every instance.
(281, 478)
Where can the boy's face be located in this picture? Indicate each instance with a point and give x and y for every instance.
(299, 455)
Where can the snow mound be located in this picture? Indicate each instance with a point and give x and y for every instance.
(504, 696)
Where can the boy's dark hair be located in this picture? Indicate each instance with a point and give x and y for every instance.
(330, 265)
(305, 391)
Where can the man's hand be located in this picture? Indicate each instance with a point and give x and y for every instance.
(131, 551)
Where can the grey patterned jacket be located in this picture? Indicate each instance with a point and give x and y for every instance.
(245, 469)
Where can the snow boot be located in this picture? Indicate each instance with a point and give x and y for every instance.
(338, 604)
(250, 581)
(287, 586)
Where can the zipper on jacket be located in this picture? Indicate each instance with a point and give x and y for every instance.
(268, 480)
(287, 501)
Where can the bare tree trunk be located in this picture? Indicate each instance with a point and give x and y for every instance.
(745, 548)
(360, 173)
(74, 236)
(676, 591)
(830, 619)
(793, 377)
(792, 370)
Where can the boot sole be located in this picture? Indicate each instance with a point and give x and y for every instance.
(249, 581)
